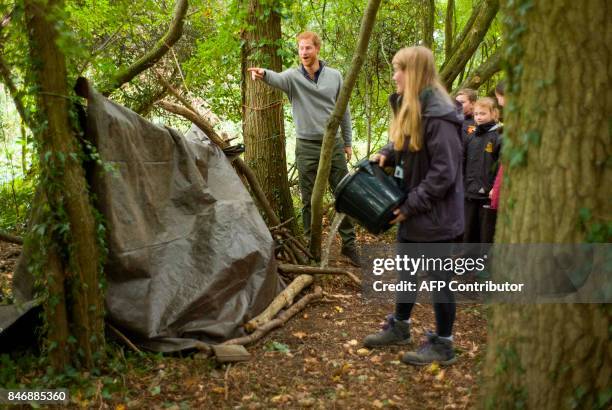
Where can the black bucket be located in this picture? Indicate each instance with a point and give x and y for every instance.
(369, 196)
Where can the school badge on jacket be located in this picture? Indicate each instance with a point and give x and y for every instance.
(489, 147)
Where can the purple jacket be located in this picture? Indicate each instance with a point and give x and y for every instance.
(433, 176)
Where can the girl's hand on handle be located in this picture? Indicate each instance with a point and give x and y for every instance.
(378, 158)
(399, 217)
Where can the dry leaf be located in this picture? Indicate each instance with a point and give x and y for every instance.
(218, 390)
(339, 309)
(299, 335)
(363, 352)
(378, 404)
(353, 342)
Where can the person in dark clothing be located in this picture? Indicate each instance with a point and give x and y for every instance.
(467, 97)
(426, 151)
(481, 158)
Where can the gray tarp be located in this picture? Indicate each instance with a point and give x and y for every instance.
(190, 258)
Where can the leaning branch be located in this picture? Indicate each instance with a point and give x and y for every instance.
(7, 78)
(465, 50)
(484, 72)
(324, 167)
(149, 59)
(192, 116)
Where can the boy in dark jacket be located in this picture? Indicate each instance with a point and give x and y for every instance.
(481, 159)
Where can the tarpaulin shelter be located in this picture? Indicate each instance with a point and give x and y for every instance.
(190, 258)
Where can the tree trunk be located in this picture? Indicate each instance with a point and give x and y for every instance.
(429, 15)
(367, 24)
(262, 110)
(74, 303)
(468, 43)
(556, 160)
(449, 29)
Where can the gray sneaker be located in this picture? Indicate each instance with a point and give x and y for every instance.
(394, 332)
(351, 253)
(435, 349)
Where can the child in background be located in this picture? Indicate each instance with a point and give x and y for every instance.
(481, 155)
(494, 194)
(467, 97)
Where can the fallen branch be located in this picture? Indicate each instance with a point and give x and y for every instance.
(314, 270)
(282, 224)
(279, 321)
(149, 59)
(123, 338)
(6, 237)
(281, 301)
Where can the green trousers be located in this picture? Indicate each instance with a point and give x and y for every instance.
(307, 154)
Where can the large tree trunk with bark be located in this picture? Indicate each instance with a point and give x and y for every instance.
(367, 24)
(262, 110)
(557, 170)
(71, 257)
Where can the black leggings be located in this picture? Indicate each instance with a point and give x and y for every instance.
(443, 303)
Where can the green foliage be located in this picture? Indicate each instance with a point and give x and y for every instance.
(15, 198)
(596, 230)
(26, 371)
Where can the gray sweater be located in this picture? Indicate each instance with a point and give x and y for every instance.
(312, 103)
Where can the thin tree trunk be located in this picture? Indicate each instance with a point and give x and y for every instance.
(449, 29)
(24, 148)
(429, 15)
(70, 220)
(554, 356)
(367, 23)
(262, 113)
(465, 47)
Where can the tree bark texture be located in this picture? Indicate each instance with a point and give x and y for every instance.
(556, 166)
(466, 45)
(316, 228)
(449, 28)
(73, 284)
(429, 15)
(262, 110)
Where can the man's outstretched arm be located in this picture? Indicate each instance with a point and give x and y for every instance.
(272, 78)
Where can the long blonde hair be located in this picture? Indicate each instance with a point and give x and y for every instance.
(419, 69)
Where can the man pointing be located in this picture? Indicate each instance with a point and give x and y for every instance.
(312, 89)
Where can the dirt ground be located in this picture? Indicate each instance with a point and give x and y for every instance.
(315, 361)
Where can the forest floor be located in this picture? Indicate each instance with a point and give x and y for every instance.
(314, 361)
